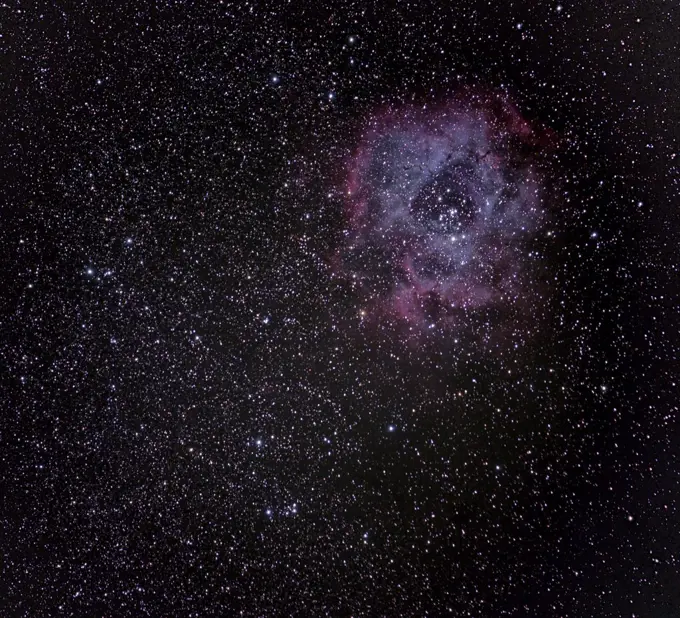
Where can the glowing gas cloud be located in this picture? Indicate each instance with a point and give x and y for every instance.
(443, 203)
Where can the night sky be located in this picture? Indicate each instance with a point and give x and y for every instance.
(340, 309)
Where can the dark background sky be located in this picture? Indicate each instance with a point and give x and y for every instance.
(194, 420)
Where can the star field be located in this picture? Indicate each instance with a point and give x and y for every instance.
(339, 310)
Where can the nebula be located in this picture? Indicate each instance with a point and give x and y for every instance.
(443, 205)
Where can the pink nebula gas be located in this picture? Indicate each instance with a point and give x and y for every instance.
(443, 206)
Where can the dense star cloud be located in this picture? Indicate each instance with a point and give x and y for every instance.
(329, 309)
(444, 202)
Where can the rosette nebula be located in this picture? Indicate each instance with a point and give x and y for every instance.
(444, 206)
